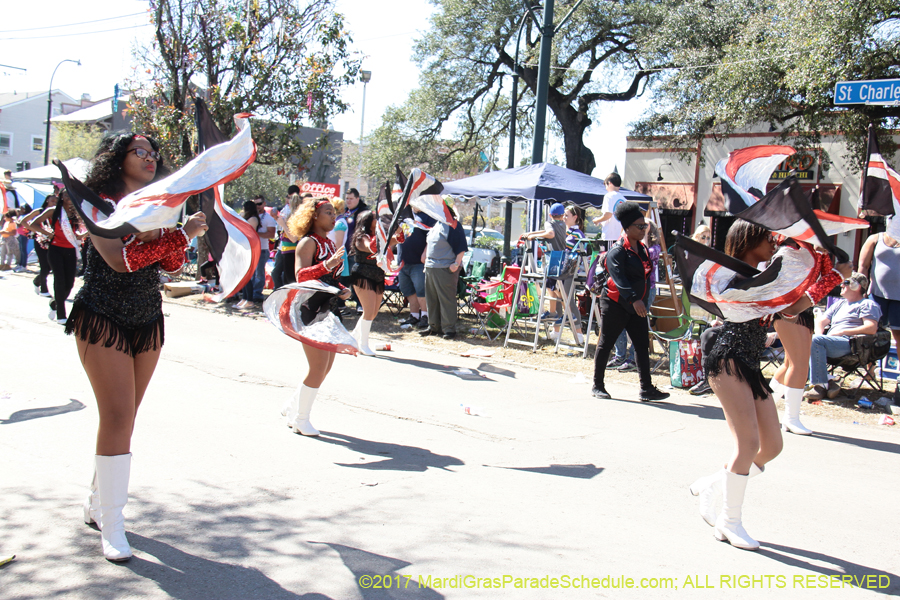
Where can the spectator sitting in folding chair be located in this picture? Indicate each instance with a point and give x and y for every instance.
(852, 315)
(411, 278)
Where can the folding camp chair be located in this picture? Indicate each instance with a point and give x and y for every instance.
(468, 285)
(488, 303)
(865, 351)
(508, 303)
(392, 299)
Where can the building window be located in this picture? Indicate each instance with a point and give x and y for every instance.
(6, 143)
(37, 143)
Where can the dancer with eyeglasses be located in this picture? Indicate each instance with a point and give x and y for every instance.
(623, 303)
(117, 321)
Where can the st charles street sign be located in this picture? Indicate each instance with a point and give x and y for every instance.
(875, 91)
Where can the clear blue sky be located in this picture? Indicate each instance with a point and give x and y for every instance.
(384, 40)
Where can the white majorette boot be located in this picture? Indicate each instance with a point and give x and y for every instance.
(728, 526)
(92, 502)
(303, 401)
(364, 327)
(709, 492)
(113, 473)
(777, 388)
(791, 422)
(708, 489)
(288, 404)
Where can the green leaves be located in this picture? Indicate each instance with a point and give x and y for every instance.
(266, 57)
(469, 53)
(771, 61)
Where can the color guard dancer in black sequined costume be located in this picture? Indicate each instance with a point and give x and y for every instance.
(732, 367)
(366, 277)
(117, 321)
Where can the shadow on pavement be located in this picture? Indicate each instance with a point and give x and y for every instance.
(448, 369)
(867, 444)
(698, 410)
(183, 575)
(402, 458)
(489, 368)
(810, 561)
(586, 471)
(39, 413)
(374, 569)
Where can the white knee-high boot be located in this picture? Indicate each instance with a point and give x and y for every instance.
(777, 388)
(791, 422)
(299, 416)
(92, 502)
(113, 473)
(729, 526)
(364, 327)
(709, 492)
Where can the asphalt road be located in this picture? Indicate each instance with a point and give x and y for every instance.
(547, 483)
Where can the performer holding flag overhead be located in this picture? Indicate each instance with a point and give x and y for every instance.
(302, 310)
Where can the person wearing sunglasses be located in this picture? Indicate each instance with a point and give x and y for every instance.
(623, 305)
(853, 315)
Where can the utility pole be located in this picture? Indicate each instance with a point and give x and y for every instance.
(543, 84)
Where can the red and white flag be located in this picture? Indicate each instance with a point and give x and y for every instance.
(159, 205)
(232, 242)
(880, 192)
(746, 173)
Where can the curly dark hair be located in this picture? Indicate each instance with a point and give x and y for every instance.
(364, 226)
(105, 173)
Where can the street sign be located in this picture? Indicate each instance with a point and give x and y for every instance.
(875, 91)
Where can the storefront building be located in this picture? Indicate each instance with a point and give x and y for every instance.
(683, 182)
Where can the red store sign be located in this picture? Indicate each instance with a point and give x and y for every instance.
(321, 189)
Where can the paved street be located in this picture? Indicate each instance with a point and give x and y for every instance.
(227, 503)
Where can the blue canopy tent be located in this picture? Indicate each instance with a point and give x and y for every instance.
(538, 184)
(542, 181)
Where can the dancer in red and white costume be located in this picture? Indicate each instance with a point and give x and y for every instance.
(302, 310)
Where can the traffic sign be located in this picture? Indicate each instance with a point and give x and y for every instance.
(874, 91)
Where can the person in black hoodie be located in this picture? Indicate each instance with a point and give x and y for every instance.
(622, 305)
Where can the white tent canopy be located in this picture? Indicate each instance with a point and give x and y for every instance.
(47, 174)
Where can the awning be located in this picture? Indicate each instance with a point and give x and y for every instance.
(542, 181)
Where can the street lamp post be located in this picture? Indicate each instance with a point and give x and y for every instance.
(50, 107)
(364, 76)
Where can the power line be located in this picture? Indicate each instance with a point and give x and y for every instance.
(62, 35)
(72, 24)
(658, 69)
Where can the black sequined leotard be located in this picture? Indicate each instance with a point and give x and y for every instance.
(366, 273)
(737, 351)
(118, 309)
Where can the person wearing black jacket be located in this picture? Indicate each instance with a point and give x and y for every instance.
(622, 305)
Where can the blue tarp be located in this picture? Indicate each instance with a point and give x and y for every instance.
(542, 181)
